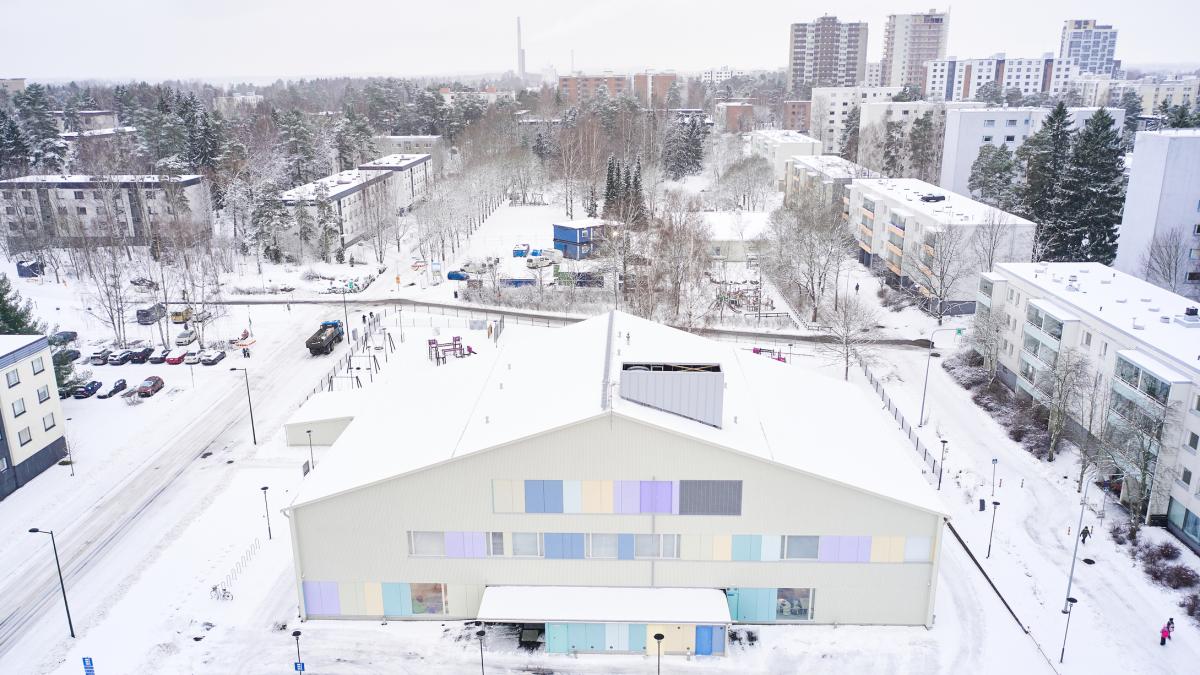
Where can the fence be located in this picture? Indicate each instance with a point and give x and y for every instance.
(932, 461)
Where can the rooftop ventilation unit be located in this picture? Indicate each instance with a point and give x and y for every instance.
(1189, 318)
(694, 391)
(933, 198)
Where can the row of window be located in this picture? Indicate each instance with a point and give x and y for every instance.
(13, 377)
(679, 497)
(81, 210)
(77, 194)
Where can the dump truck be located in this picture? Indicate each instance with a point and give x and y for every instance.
(322, 341)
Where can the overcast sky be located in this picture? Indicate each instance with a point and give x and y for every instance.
(256, 39)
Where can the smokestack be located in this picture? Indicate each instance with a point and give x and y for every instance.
(520, 54)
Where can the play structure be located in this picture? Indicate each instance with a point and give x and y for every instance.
(438, 351)
(770, 353)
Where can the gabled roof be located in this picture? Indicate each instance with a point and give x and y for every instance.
(772, 411)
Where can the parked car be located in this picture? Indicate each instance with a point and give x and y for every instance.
(119, 385)
(212, 357)
(176, 357)
(65, 392)
(457, 275)
(143, 282)
(100, 357)
(150, 386)
(185, 338)
(142, 355)
(159, 355)
(181, 315)
(202, 316)
(65, 356)
(192, 357)
(62, 337)
(88, 389)
(120, 358)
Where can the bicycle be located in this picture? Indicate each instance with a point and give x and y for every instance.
(220, 593)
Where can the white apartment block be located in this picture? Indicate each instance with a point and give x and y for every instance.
(830, 105)
(1093, 46)
(1145, 341)
(74, 211)
(900, 222)
(880, 112)
(874, 74)
(227, 105)
(1163, 195)
(824, 175)
(31, 420)
(955, 79)
(778, 145)
(909, 41)
(827, 53)
(411, 176)
(433, 145)
(969, 129)
(89, 120)
(719, 75)
(11, 85)
(361, 201)
(1153, 92)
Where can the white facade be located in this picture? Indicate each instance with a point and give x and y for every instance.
(880, 112)
(622, 491)
(777, 145)
(32, 419)
(74, 211)
(909, 41)
(969, 129)
(362, 201)
(830, 105)
(956, 79)
(1093, 46)
(874, 74)
(1139, 337)
(1163, 195)
(12, 85)
(432, 145)
(411, 176)
(899, 222)
(825, 175)
(719, 75)
(227, 105)
(1153, 92)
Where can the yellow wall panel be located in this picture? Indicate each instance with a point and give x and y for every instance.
(677, 638)
(373, 598)
(722, 547)
(606, 496)
(881, 549)
(518, 496)
(896, 549)
(592, 500)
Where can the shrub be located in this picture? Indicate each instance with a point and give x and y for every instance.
(1155, 554)
(1180, 576)
(1117, 532)
(1191, 605)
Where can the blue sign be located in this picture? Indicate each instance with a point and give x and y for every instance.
(299, 666)
(88, 668)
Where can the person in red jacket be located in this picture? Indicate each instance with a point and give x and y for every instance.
(1164, 633)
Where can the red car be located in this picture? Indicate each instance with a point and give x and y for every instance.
(176, 356)
(150, 387)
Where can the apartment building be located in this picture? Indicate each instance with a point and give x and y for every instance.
(31, 420)
(1163, 196)
(651, 88)
(11, 85)
(579, 87)
(229, 105)
(777, 145)
(1097, 90)
(954, 79)
(1092, 45)
(1143, 345)
(874, 74)
(826, 53)
(900, 223)
(827, 176)
(734, 116)
(831, 105)
(89, 120)
(411, 177)
(433, 145)
(969, 129)
(719, 75)
(797, 115)
(909, 42)
(79, 210)
(362, 201)
(677, 486)
(877, 113)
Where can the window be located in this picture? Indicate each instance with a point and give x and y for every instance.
(81, 210)
(987, 139)
(24, 436)
(799, 548)
(1010, 123)
(149, 194)
(79, 194)
(18, 407)
(793, 604)
(527, 544)
(96, 195)
(602, 546)
(427, 544)
(989, 123)
(656, 546)
(495, 543)
(1087, 339)
(1193, 441)
(48, 421)
(43, 393)
(38, 365)
(1010, 139)
(3, 464)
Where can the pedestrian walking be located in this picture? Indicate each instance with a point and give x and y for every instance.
(1087, 532)
(1163, 635)
(856, 289)
(1170, 627)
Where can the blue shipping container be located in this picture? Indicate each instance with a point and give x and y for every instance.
(576, 235)
(572, 250)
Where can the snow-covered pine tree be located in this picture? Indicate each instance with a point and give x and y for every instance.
(636, 197)
(992, 176)
(299, 150)
(14, 151)
(306, 225)
(591, 202)
(1094, 190)
(850, 134)
(612, 188)
(269, 218)
(1044, 159)
(47, 151)
(893, 150)
(1132, 104)
(923, 148)
(206, 146)
(326, 222)
(71, 119)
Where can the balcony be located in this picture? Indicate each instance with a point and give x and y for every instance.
(983, 299)
(1038, 332)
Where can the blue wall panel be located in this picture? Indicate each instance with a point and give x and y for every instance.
(397, 600)
(625, 547)
(554, 545)
(704, 640)
(637, 637)
(534, 502)
(573, 546)
(556, 638)
(552, 496)
(576, 636)
(595, 637)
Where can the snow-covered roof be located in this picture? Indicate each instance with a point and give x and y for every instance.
(772, 411)
(603, 604)
(581, 223)
(1053, 308)
(339, 185)
(783, 136)
(397, 162)
(736, 225)
(11, 343)
(1119, 301)
(98, 132)
(952, 209)
(84, 180)
(833, 167)
(326, 406)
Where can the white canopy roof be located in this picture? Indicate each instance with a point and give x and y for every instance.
(583, 604)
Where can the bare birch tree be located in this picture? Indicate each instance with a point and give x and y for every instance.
(1164, 263)
(1063, 384)
(987, 240)
(1133, 447)
(851, 326)
(938, 266)
(986, 337)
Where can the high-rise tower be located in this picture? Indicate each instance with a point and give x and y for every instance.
(520, 54)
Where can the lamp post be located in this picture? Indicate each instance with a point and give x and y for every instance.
(995, 505)
(267, 511)
(1070, 605)
(253, 433)
(479, 634)
(942, 464)
(312, 460)
(1075, 553)
(345, 311)
(928, 358)
(58, 565)
(296, 634)
(995, 461)
(658, 638)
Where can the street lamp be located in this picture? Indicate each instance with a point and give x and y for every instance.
(311, 459)
(1075, 553)
(658, 638)
(266, 510)
(1070, 605)
(942, 464)
(253, 433)
(995, 461)
(296, 634)
(928, 358)
(54, 545)
(479, 634)
(995, 505)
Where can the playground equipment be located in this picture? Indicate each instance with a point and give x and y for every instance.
(438, 351)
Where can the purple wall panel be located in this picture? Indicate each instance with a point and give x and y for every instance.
(475, 545)
(827, 549)
(864, 549)
(455, 547)
(646, 492)
(628, 492)
(331, 604)
(848, 549)
(313, 603)
(674, 496)
(662, 496)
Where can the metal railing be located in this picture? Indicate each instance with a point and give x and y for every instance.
(930, 460)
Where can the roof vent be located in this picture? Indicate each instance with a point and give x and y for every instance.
(1164, 319)
(1122, 300)
(694, 391)
(1145, 299)
(1190, 311)
(1138, 326)
(1152, 308)
(1106, 281)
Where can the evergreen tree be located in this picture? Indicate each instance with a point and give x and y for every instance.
(683, 148)
(14, 151)
(922, 148)
(611, 186)
(990, 93)
(71, 119)
(306, 226)
(269, 218)
(850, 134)
(299, 149)
(1044, 159)
(590, 202)
(1179, 117)
(541, 147)
(1132, 104)
(326, 222)
(908, 92)
(992, 176)
(47, 151)
(1094, 190)
(16, 313)
(206, 146)
(893, 150)
(635, 197)
(674, 98)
